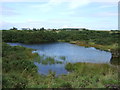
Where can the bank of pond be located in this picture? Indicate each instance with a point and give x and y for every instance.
(54, 56)
(57, 65)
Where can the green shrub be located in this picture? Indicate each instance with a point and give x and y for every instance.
(65, 85)
(14, 81)
(69, 67)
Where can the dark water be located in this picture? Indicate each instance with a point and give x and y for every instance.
(66, 52)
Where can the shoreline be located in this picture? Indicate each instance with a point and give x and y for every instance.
(114, 51)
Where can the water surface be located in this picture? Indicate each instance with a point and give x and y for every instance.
(65, 53)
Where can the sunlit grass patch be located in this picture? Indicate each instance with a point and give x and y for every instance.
(93, 75)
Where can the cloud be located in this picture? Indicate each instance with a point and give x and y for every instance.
(47, 6)
(72, 4)
(77, 3)
(55, 21)
(55, 2)
(6, 25)
(109, 1)
(95, 15)
(58, 1)
(51, 23)
(107, 6)
(65, 23)
(43, 7)
(7, 11)
(69, 12)
(50, 6)
(24, 0)
(107, 14)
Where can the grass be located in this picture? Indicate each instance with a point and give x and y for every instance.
(98, 46)
(47, 60)
(93, 75)
(113, 48)
(19, 71)
(84, 75)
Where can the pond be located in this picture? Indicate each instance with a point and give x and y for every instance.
(54, 56)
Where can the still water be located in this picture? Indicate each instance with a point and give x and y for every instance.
(65, 53)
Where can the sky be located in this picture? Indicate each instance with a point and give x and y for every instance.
(90, 14)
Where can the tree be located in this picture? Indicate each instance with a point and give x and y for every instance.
(14, 28)
(34, 29)
(42, 29)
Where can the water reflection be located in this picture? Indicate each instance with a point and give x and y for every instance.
(65, 53)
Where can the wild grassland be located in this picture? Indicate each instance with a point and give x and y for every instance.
(84, 75)
(19, 71)
(98, 46)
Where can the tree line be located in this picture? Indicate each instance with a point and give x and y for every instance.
(30, 36)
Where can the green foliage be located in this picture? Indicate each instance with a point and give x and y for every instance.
(92, 68)
(48, 60)
(69, 67)
(65, 85)
(28, 36)
(17, 65)
(14, 81)
(92, 75)
(19, 70)
(14, 28)
(40, 36)
(62, 57)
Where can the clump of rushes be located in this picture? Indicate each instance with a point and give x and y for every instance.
(91, 67)
(62, 57)
(69, 67)
(50, 60)
(59, 62)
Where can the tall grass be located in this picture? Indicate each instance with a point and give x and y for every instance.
(63, 58)
(47, 60)
(19, 71)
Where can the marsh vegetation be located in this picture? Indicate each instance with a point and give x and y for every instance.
(19, 70)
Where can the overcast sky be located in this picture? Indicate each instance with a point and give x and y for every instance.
(91, 14)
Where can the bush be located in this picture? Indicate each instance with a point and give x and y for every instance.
(65, 85)
(14, 81)
(69, 67)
